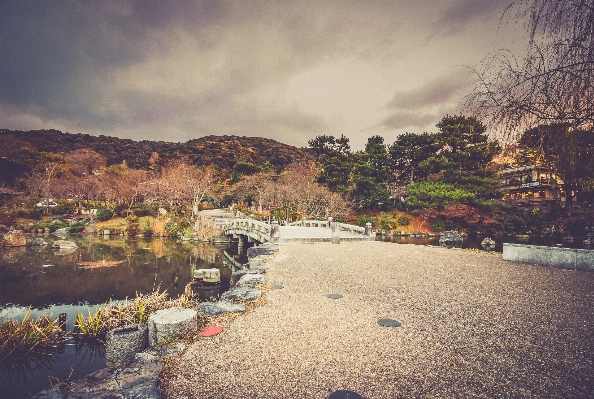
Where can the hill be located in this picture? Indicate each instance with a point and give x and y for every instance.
(222, 151)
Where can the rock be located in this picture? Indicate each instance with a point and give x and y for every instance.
(240, 273)
(122, 344)
(38, 242)
(211, 275)
(259, 261)
(488, 244)
(168, 324)
(15, 238)
(63, 232)
(139, 380)
(63, 244)
(216, 308)
(3, 229)
(251, 280)
(264, 249)
(242, 294)
(450, 239)
(197, 274)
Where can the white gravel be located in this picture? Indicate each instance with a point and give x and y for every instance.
(473, 325)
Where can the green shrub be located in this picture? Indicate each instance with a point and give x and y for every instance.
(364, 219)
(437, 227)
(64, 208)
(104, 213)
(33, 213)
(403, 220)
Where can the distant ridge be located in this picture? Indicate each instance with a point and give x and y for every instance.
(222, 151)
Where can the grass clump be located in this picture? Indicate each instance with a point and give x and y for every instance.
(128, 312)
(19, 338)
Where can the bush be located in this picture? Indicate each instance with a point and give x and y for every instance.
(34, 213)
(437, 227)
(64, 208)
(104, 213)
(576, 227)
(364, 219)
(432, 194)
(403, 220)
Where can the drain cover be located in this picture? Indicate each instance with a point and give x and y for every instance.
(334, 296)
(388, 323)
(210, 331)
(344, 395)
(277, 287)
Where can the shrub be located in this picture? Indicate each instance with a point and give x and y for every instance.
(104, 213)
(403, 220)
(437, 227)
(34, 213)
(364, 219)
(64, 208)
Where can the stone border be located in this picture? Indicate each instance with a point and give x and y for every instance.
(571, 258)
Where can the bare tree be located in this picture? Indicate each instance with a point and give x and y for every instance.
(122, 184)
(183, 186)
(552, 83)
(84, 166)
(295, 191)
(42, 179)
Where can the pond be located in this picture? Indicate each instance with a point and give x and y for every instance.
(474, 242)
(100, 270)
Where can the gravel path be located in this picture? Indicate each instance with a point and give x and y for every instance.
(473, 325)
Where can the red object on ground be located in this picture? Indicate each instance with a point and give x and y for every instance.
(210, 331)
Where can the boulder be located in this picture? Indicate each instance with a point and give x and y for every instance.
(63, 244)
(122, 344)
(251, 279)
(168, 324)
(63, 232)
(240, 273)
(38, 242)
(242, 294)
(15, 238)
(259, 261)
(139, 380)
(211, 275)
(216, 308)
(488, 244)
(264, 249)
(450, 239)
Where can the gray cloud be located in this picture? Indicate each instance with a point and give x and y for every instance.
(426, 105)
(440, 90)
(175, 70)
(461, 13)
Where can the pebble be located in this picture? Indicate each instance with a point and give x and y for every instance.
(497, 329)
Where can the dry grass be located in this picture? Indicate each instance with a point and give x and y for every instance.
(127, 312)
(19, 338)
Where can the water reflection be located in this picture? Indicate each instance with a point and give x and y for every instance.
(101, 269)
(474, 242)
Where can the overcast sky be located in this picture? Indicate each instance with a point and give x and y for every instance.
(286, 70)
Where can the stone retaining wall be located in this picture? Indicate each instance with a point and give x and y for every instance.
(570, 258)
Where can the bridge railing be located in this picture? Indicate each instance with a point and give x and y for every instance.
(327, 223)
(310, 223)
(352, 228)
(248, 224)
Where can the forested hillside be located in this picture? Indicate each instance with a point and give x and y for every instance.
(221, 151)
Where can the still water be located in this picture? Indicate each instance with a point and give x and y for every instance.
(474, 242)
(100, 270)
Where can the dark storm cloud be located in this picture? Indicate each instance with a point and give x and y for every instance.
(59, 56)
(437, 91)
(461, 13)
(427, 104)
(176, 70)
